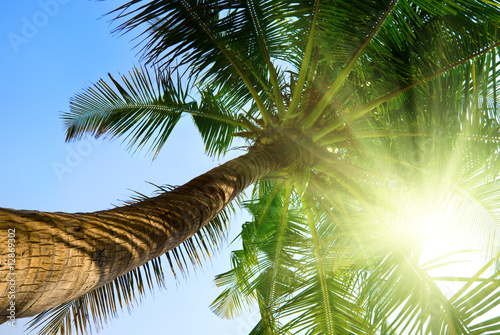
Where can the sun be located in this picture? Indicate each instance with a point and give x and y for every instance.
(451, 249)
(447, 227)
(456, 259)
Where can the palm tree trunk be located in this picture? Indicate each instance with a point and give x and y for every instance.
(60, 256)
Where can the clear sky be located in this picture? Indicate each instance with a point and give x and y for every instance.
(52, 49)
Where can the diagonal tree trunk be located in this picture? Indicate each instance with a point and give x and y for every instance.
(60, 256)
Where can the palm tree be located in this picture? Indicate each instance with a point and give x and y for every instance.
(353, 112)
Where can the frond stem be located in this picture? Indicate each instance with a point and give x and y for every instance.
(297, 92)
(375, 134)
(321, 271)
(331, 126)
(284, 218)
(272, 70)
(170, 109)
(265, 114)
(339, 81)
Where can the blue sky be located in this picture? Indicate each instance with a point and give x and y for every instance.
(52, 49)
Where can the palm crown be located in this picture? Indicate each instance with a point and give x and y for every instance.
(388, 105)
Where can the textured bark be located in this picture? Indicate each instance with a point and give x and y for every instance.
(60, 256)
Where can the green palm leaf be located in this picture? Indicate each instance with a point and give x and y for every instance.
(145, 111)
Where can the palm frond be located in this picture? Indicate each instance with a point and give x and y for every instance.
(341, 78)
(233, 48)
(325, 304)
(145, 109)
(216, 132)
